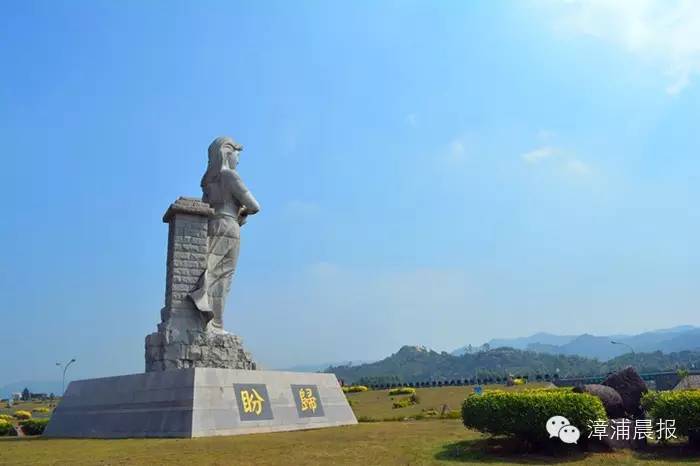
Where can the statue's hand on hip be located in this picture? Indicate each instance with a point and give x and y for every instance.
(242, 216)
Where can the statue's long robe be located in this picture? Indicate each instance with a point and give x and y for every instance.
(214, 284)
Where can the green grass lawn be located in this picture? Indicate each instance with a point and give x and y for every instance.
(425, 442)
(377, 404)
(381, 443)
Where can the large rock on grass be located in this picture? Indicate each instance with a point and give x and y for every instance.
(631, 387)
(689, 382)
(612, 401)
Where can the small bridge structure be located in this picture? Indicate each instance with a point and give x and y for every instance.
(657, 380)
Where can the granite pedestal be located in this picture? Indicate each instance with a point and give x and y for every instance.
(199, 402)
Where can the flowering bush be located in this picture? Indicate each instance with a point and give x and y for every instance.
(402, 391)
(355, 389)
(22, 415)
(6, 428)
(34, 426)
(406, 402)
(402, 403)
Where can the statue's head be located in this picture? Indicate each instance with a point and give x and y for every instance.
(224, 152)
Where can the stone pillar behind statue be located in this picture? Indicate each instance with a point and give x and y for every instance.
(187, 259)
(182, 340)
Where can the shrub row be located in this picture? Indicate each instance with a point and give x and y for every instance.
(402, 391)
(6, 428)
(683, 406)
(6, 417)
(524, 414)
(355, 389)
(34, 426)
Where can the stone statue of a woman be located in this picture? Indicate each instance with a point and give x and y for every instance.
(225, 192)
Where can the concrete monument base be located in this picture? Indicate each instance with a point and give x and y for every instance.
(199, 402)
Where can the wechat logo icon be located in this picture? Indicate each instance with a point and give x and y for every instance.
(559, 426)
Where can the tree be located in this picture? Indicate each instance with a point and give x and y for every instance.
(26, 396)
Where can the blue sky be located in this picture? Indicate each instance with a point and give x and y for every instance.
(435, 173)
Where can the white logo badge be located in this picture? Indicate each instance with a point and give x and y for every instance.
(559, 426)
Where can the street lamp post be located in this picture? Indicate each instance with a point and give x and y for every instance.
(623, 344)
(65, 368)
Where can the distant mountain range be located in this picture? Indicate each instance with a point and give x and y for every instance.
(685, 337)
(417, 363)
(572, 355)
(320, 367)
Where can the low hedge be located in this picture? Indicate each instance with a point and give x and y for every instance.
(355, 389)
(406, 401)
(403, 403)
(6, 417)
(34, 426)
(6, 428)
(452, 414)
(402, 391)
(683, 406)
(41, 410)
(524, 414)
(22, 415)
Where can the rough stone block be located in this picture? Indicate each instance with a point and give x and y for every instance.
(191, 348)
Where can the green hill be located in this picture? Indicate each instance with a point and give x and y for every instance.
(415, 364)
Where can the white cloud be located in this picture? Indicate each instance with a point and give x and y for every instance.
(664, 33)
(539, 154)
(562, 158)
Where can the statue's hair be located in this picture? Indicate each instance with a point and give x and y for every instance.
(216, 161)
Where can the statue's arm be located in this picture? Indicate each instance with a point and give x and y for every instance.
(249, 205)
